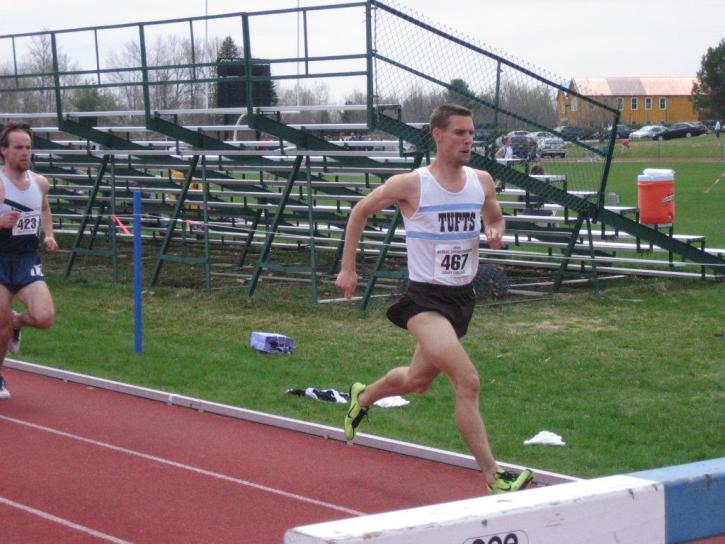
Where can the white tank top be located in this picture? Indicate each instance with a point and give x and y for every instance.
(23, 237)
(442, 234)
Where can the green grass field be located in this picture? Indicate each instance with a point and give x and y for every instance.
(706, 147)
(632, 380)
(700, 147)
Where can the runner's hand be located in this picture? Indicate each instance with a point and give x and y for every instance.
(347, 283)
(494, 238)
(50, 244)
(9, 219)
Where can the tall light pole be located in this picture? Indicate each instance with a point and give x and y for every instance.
(298, 53)
(206, 43)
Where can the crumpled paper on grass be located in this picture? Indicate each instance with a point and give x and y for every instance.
(391, 402)
(545, 438)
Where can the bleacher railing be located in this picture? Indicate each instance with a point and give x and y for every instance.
(145, 101)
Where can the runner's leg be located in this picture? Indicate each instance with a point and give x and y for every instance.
(6, 329)
(39, 309)
(415, 378)
(438, 341)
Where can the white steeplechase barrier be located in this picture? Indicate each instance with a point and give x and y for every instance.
(668, 505)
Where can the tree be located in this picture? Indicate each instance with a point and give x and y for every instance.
(418, 102)
(534, 103)
(170, 70)
(38, 69)
(315, 94)
(233, 93)
(91, 98)
(460, 93)
(356, 98)
(708, 92)
(10, 100)
(228, 49)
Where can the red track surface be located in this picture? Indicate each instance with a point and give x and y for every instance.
(81, 464)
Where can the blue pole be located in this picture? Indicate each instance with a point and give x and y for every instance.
(137, 274)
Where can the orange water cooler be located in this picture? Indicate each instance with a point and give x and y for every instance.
(656, 196)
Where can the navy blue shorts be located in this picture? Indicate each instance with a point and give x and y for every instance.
(455, 303)
(17, 271)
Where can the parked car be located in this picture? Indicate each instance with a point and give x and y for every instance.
(574, 133)
(509, 135)
(681, 130)
(548, 144)
(551, 147)
(647, 131)
(536, 136)
(623, 131)
(701, 126)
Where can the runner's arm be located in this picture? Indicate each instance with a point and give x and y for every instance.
(46, 217)
(7, 220)
(493, 219)
(394, 191)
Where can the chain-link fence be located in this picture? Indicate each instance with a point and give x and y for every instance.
(419, 65)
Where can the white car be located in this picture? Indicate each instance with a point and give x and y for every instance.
(646, 132)
(536, 136)
(551, 147)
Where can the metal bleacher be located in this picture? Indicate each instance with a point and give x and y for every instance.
(249, 191)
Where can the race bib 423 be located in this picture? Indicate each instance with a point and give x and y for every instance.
(28, 223)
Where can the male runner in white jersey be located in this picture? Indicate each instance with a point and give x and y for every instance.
(444, 208)
(24, 211)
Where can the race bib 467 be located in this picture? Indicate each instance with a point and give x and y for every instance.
(453, 260)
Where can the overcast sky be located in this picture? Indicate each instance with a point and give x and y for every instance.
(567, 38)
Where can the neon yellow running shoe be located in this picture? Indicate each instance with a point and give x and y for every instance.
(510, 481)
(356, 413)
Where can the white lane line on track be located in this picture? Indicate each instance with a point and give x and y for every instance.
(61, 521)
(186, 467)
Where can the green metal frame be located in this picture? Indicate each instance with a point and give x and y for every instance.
(263, 263)
(175, 218)
(387, 119)
(77, 248)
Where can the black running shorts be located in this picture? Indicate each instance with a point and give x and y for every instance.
(455, 303)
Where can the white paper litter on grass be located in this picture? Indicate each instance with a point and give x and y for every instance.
(545, 438)
(391, 402)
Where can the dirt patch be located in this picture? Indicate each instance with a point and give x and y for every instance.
(573, 324)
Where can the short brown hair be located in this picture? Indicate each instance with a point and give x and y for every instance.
(441, 116)
(13, 126)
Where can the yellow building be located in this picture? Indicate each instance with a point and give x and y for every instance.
(640, 100)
